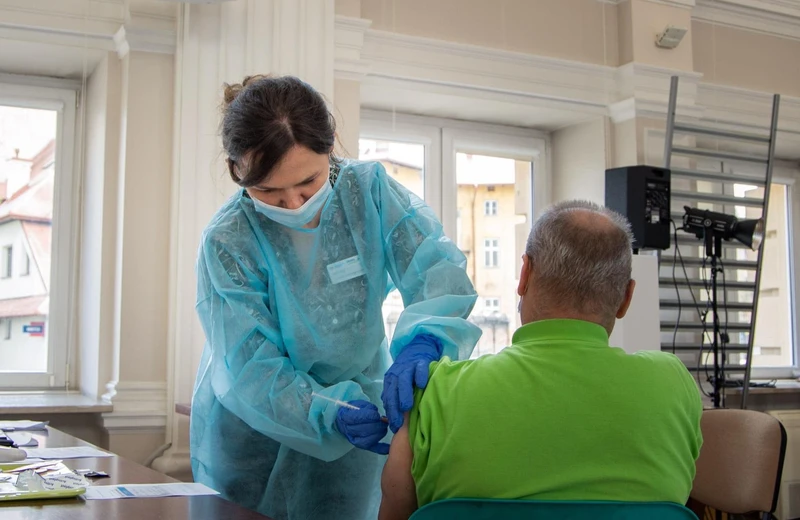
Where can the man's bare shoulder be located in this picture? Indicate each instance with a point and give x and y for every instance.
(397, 484)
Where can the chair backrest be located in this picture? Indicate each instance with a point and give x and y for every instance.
(476, 509)
(741, 461)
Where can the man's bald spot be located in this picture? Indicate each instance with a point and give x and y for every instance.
(594, 225)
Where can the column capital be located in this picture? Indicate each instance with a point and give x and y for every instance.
(349, 40)
(643, 91)
(132, 38)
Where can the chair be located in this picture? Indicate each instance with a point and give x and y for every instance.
(741, 462)
(475, 509)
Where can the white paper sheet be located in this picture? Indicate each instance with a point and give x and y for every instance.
(77, 452)
(178, 489)
(22, 439)
(18, 426)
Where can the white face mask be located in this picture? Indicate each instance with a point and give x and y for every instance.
(296, 218)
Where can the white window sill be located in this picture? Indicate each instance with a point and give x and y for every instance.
(19, 403)
(782, 386)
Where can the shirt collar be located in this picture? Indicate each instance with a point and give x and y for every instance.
(561, 331)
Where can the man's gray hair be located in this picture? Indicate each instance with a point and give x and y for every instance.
(581, 257)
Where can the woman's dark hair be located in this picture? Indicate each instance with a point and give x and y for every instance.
(266, 116)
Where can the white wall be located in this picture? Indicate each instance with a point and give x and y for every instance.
(640, 328)
(144, 215)
(579, 162)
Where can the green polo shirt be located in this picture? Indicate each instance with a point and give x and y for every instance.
(559, 415)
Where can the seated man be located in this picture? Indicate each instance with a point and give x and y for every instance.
(559, 415)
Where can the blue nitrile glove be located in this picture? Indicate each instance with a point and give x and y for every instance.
(363, 427)
(410, 369)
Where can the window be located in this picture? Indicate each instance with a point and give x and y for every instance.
(491, 252)
(491, 304)
(490, 208)
(8, 261)
(773, 344)
(37, 219)
(26, 265)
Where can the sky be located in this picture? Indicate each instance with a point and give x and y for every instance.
(26, 129)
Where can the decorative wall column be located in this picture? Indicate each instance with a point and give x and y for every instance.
(138, 386)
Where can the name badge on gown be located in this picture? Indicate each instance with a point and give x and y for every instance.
(346, 269)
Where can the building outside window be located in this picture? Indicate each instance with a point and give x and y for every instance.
(28, 183)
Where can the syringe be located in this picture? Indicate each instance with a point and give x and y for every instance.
(335, 401)
(342, 403)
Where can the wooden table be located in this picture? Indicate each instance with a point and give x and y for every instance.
(121, 471)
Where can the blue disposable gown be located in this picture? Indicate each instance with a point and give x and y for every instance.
(287, 313)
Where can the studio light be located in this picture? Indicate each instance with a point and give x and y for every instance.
(705, 223)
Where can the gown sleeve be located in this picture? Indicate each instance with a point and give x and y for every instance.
(429, 271)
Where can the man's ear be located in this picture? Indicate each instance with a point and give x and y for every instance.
(623, 309)
(524, 275)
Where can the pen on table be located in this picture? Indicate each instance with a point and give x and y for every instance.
(342, 403)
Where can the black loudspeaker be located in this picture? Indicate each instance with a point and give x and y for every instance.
(641, 194)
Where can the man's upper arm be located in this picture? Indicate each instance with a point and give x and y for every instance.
(399, 491)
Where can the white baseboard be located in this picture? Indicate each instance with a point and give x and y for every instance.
(175, 463)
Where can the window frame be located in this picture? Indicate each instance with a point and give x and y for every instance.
(7, 264)
(445, 137)
(490, 208)
(788, 176)
(380, 128)
(62, 97)
(509, 142)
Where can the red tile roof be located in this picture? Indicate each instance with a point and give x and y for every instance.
(20, 307)
(34, 202)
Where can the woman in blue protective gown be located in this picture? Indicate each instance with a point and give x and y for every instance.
(292, 273)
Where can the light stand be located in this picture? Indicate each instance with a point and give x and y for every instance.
(713, 228)
(713, 242)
